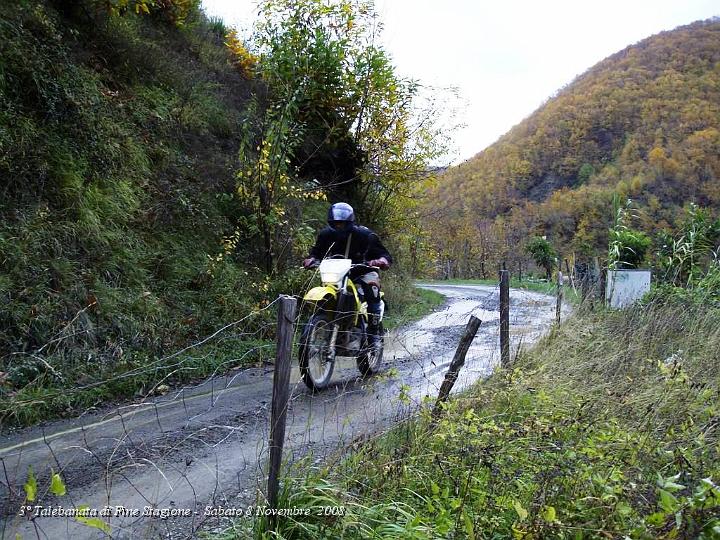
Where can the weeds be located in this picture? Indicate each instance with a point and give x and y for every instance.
(570, 293)
(115, 140)
(406, 302)
(608, 428)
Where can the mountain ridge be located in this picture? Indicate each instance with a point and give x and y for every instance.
(641, 124)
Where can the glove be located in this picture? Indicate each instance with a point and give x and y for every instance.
(381, 263)
(309, 263)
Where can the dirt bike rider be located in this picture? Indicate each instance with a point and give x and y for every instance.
(343, 237)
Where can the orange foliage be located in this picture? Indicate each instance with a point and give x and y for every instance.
(244, 60)
(643, 123)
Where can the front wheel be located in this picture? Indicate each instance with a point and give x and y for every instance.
(371, 353)
(315, 358)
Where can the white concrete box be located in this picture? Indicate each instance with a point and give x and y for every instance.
(625, 287)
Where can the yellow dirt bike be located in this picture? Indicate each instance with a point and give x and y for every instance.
(338, 324)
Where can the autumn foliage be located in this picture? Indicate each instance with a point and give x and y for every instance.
(175, 11)
(643, 124)
(244, 60)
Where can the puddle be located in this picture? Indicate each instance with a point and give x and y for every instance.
(457, 314)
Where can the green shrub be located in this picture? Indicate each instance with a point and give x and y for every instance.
(628, 248)
(605, 429)
(543, 254)
(118, 140)
(685, 257)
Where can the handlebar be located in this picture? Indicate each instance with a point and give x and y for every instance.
(365, 265)
(352, 266)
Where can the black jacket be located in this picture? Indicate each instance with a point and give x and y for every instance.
(364, 245)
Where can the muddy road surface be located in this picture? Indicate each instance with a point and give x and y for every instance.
(165, 468)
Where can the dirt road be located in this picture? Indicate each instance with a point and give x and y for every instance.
(199, 449)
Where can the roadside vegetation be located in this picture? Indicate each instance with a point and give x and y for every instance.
(642, 124)
(116, 131)
(528, 283)
(163, 177)
(608, 428)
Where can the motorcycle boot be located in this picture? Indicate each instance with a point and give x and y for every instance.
(373, 322)
(374, 328)
(371, 291)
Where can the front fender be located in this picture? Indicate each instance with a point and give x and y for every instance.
(320, 293)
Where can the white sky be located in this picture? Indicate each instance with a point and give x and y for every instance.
(505, 57)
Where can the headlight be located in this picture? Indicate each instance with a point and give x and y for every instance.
(330, 277)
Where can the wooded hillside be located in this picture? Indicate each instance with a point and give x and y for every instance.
(643, 124)
(161, 178)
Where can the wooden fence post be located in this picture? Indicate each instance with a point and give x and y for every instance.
(585, 284)
(558, 305)
(504, 318)
(281, 394)
(570, 275)
(602, 281)
(457, 362)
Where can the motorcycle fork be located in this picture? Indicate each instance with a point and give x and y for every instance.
(333, 340)
(339, 310)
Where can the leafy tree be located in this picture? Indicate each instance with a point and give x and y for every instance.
(336, 118)
(266, 188)
(642, 123)
(543, 254)
(303, 52)
(244, 60)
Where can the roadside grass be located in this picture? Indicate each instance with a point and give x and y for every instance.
(608, 428)
(138, 375)
(570, 294)
(419, 302)
(121, 146)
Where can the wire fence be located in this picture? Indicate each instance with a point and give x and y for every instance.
(194, 456)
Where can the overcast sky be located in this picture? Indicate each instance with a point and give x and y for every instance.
(505, 57)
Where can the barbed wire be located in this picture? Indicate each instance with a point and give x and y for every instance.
(205, 444)
(149, 367)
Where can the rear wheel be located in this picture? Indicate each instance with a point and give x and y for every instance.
(316, 362)
(370, 358)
